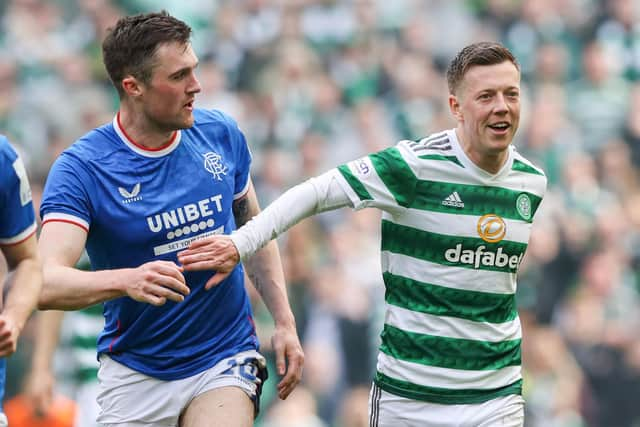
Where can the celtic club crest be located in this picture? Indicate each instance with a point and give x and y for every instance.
(523, 205)
(213, 163)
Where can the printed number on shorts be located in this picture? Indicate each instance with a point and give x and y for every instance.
(242, 368)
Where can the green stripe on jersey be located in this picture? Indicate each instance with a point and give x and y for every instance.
(523, 167)
(452, 353)
(471, 252)
(355, 183)
(396, 175)
(410, 192)
(478, 199)
(453, 159)
(442, 301)
(443, 395)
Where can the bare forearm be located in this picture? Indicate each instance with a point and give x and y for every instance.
(67, 288)
(23, 295)
(265, 271)
(47, 337)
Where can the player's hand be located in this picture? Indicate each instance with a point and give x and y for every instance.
(212, 253)
(9, 333)
(289, 359)
(39, 391)
(156, 282)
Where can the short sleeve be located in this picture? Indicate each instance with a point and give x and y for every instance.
(65, 196)
(383, 180)
(17, 217)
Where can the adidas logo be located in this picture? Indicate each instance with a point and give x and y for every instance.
(454, 200)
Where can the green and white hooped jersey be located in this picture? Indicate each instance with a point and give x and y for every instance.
(453, 236)
(85, 326)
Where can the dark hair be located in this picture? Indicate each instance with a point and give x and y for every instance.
(130, 46)
(483, 53)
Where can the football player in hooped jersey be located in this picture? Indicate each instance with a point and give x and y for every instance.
(174, 350)
(457, 210)
(18, 245)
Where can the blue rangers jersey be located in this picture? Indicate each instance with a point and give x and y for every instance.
(17, 218)
(139, 205)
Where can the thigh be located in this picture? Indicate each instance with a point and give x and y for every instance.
(220, 407)
(227, 394)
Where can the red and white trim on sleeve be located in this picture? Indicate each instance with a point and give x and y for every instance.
(20, 237)
(61, 217)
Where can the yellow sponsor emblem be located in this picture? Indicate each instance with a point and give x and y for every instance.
(491, 228)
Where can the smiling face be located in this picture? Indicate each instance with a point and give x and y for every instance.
(486, 106)
(166, 101)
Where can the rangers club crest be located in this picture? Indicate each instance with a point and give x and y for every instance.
(213, 164)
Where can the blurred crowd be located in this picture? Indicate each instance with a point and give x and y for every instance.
(314, 83)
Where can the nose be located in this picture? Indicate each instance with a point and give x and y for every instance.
(500, 105)
(194, 85)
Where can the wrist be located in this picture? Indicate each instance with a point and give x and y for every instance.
(285, 322)
(239, 243)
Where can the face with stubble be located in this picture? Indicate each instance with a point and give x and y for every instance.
(167, 99)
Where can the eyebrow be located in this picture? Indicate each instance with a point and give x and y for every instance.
(183, 69)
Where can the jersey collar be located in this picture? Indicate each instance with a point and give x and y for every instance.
(478, 171)
(144, 151)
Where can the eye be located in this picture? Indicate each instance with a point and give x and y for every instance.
(178, 76)
(484, 96)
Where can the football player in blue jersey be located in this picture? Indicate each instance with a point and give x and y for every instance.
(174, 350)
(18, 245)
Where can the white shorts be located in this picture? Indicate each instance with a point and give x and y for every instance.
(129, 397)
(3, 420)
(389, 410)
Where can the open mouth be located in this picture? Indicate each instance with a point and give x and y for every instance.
(500, 126)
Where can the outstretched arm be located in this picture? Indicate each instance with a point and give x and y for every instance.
(222, 252)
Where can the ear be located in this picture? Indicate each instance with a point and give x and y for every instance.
(454, 107)
(131, 86)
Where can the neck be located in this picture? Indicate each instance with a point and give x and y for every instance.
(141, 131)
(490, 162)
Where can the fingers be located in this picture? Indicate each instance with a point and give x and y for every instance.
(213, 253)
(156, 282)
(170, 288)
(291, 379)
(216, 279)
(8, 346)
(288, 347)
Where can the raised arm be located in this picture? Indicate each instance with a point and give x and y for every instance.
(26, 280)
(68, 288)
